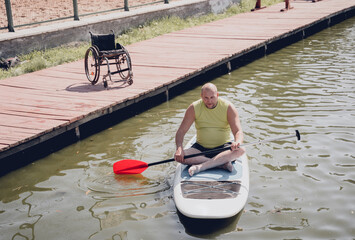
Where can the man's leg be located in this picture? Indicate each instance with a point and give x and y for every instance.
(194, 160)
(223, 158)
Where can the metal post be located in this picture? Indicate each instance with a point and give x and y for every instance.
(10, 23)
(167, 94)
(258, 5)
(126, 5)
(75, 7)
(229, 67)
(287, 6)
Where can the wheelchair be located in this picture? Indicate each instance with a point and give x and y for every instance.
(104, 52)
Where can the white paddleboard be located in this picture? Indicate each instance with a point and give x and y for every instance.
(212, 194)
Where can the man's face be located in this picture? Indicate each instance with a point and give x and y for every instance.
(210, 98)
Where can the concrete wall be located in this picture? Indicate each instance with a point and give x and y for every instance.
(56, 34)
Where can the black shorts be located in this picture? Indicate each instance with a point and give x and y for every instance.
(203, 149)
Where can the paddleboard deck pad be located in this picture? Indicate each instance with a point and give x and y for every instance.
(212, 194)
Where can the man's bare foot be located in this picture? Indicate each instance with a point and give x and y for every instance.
(194, 169)
(227, 166)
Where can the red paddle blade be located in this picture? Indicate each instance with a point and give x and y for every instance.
(129, 166)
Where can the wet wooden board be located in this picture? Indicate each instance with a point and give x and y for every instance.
(34, 104)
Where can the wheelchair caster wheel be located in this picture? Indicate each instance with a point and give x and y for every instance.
(105, 84)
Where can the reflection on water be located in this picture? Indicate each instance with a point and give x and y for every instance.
(210, 228)
(302, 190)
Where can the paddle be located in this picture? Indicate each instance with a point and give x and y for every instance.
(131, 166)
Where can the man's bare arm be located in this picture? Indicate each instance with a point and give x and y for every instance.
(234, 123)
(186, 123)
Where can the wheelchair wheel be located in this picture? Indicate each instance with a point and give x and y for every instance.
(92, 65)
(124, 66)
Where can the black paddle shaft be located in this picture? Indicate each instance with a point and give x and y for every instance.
(218, 150)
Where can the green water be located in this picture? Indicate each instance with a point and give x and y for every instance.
(298, 190)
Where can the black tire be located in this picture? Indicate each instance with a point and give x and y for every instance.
(124, 65)
(92, 66)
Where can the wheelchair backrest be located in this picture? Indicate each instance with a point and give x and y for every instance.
(104, 42)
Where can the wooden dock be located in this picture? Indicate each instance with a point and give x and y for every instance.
(43, 111)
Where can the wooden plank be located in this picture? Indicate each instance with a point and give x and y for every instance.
(15, 134)
(44, 113)
(34, 123)
(3, 146)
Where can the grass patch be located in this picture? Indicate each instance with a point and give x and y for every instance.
(38, 60)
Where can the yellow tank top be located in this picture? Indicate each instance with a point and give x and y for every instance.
(212, 124)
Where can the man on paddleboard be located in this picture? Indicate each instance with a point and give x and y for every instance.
(214, 119)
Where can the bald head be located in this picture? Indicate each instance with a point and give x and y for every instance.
(208, 87)
(209, 95)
